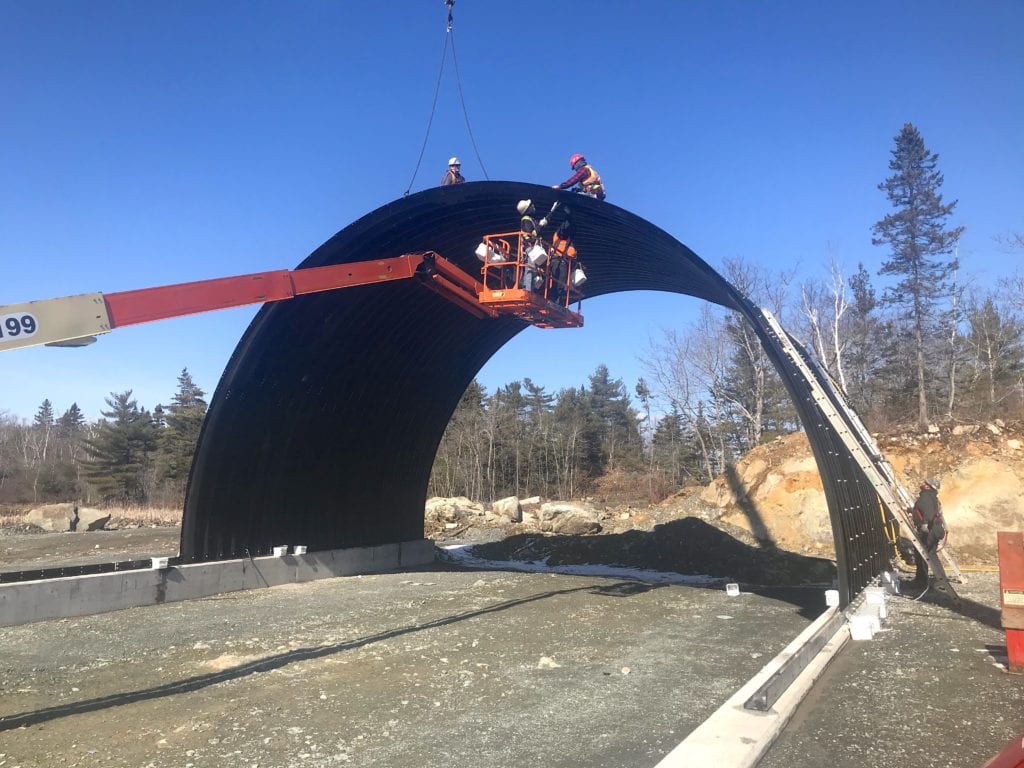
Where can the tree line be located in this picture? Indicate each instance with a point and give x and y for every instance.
(930, 344)
(131, 457)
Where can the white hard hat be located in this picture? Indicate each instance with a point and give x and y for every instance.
(454, 161)
(523, 206)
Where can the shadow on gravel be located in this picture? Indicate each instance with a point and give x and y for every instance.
(687, 546)
(969, 609)
(10, 722)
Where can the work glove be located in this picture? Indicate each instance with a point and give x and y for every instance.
(542, 223)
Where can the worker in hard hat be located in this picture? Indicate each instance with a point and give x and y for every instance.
(928, 514)
(454, 173)
(585, 179)
(529, 236)
(563, 255)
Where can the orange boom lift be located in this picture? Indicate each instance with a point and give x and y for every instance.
(75, 321)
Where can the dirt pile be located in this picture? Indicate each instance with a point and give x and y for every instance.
(775, 491)
(768, 515)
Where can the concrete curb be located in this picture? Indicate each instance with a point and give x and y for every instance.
(28, 601)
(738, 737)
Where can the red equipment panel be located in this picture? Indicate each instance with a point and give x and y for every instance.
(1011, 595)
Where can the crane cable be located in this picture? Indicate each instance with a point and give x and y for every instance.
(449, 33)
(465, 113)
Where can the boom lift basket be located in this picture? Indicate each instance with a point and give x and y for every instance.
(531, 279)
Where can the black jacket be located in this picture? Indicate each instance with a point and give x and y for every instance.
(927, 507)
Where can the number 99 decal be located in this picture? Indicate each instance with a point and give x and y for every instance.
(17, 326)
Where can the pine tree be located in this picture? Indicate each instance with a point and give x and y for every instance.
(620, 438)
(121, 453)
(921, 246)
(184, 420)
(71, 423)
(676, 455)
(44, 417)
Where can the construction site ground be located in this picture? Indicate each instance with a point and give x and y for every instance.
(445, 666)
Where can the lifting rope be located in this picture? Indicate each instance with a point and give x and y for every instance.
(465, 114)
(449, 33)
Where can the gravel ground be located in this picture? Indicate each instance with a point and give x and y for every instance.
(435, 668)
(927, 692)
(25, 548)
(448, 667)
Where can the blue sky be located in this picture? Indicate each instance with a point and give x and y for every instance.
(143, 144)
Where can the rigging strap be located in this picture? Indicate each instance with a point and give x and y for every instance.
(449, 33)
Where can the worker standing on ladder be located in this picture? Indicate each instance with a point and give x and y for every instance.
(584, 177)
(454, 174)
(928, 514)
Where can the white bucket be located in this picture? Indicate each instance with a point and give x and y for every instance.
(481, 251)
(831, 597)
(578, 278)
(299, 549)
(861, 628)
(732, 589)
(537, 256)
(280, 551)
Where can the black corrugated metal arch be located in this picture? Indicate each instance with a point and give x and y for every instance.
(325, 423)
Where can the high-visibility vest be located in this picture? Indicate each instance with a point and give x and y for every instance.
(592, 183)
(563, 246)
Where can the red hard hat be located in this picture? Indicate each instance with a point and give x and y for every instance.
(575, 159)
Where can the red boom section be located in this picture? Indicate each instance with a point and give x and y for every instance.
(148, 304)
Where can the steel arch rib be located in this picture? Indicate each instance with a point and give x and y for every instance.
(323, 428)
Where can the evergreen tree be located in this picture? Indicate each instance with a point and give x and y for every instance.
(538, 437)
(921, 246)
(673, 452)
(184, 420)
(71, 423)
(620, 433)
(864, 357)
(121, 453)
(44, 417)
(577, 441)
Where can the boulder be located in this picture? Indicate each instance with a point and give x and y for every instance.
(531, 504)
(508, 507)
(92, 519)
(572, 525)
(53, 517)
(67, 517)
(442, 509)
(966, 429)
(567, 518)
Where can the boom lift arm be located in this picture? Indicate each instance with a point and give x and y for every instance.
(74, 321)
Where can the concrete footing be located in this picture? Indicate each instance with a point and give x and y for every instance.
(737, 737)
(24, 602)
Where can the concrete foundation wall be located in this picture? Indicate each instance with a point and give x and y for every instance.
(27, 601)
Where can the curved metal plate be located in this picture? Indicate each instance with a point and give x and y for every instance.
(324, 426)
